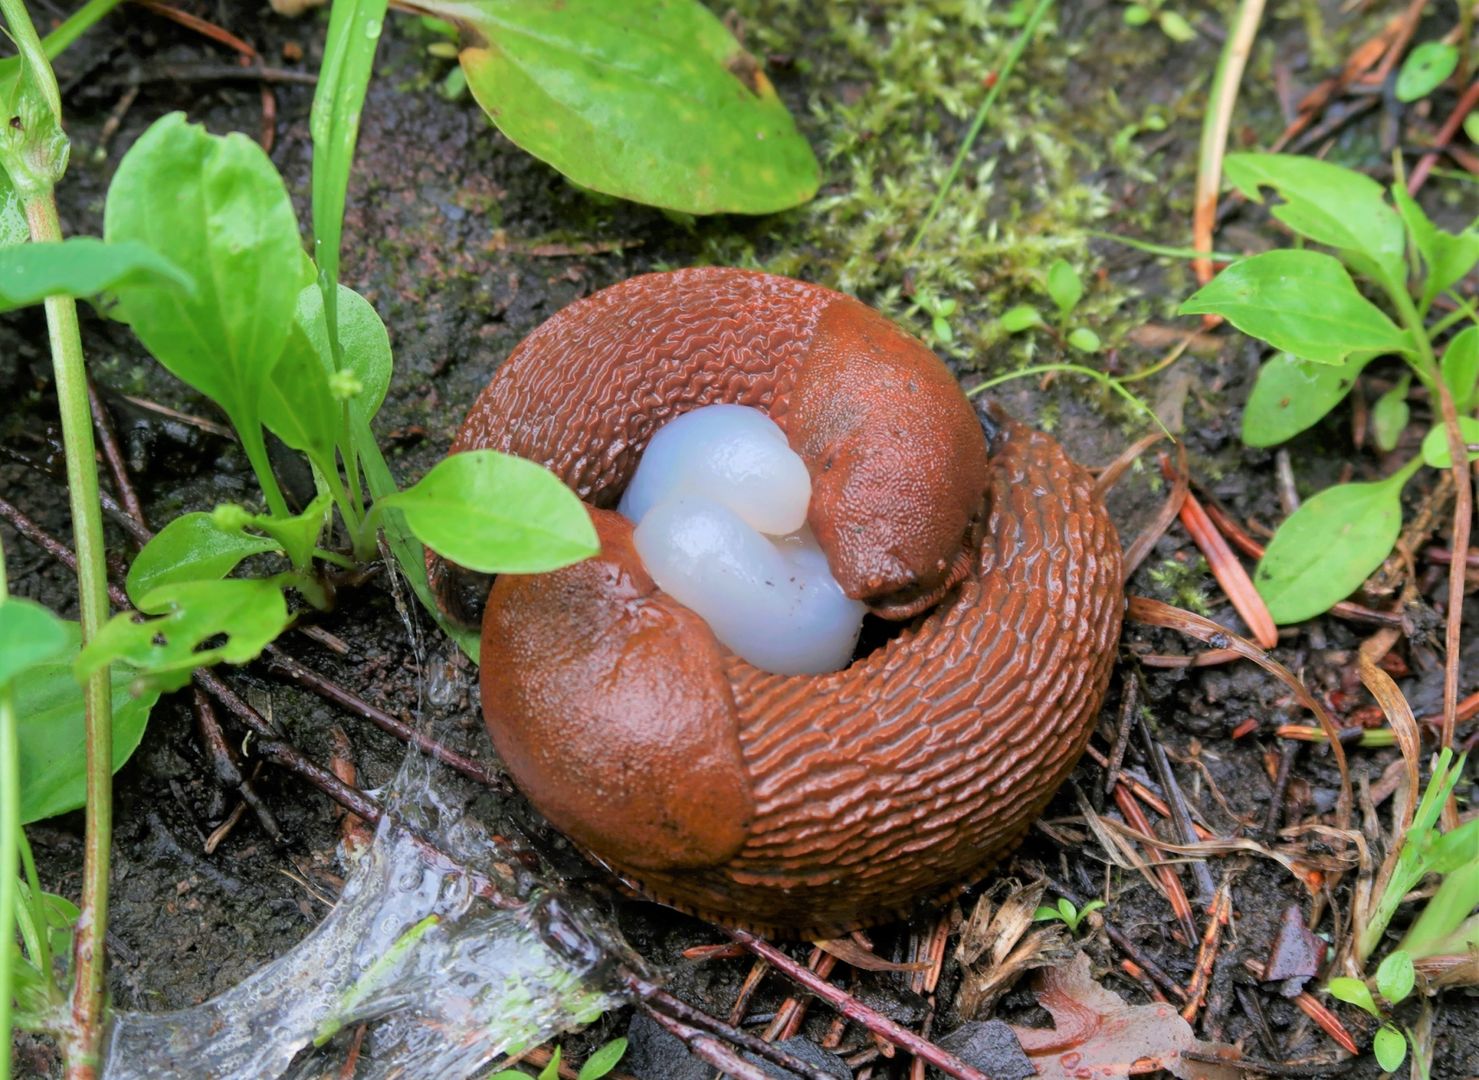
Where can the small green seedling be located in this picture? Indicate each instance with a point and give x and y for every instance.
(1307, 306)
(1065, 288)
(596, 1066)
(1066, 913)
(939, 312)
(1395, 978)
(1172, 23)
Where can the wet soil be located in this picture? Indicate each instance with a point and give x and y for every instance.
(464, 244)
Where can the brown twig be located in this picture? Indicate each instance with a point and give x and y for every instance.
(1450, 128)
(855, 1010)
(103, 424)
(1201, 974)
(1170, 882)
(1180, 813)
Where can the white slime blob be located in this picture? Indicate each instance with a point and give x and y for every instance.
(719, 500)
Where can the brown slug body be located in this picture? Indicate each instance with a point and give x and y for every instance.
(793, 804)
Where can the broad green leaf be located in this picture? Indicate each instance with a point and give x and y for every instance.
(349, 54)
(53, 743)
(298, 534)
(247, 612)
(1395, 977)
(29, 635)
(1390, 414)
(1435, 443)
(1389, 1047)
(192, 547)
(1327, 203)
(1022, 317)
(1291, 395)
(1064, 286)
(1301, 302)
(1328, 547)
(496, 514)
(1447, 257)
(1460, 367)
(603, 1060)
(81, 266)
(551, 1070)
(216, 208)
(1353, 992)
(1426, 68)
(300, 403)
(650, 100)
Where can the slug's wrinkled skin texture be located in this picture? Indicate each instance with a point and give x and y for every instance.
(795, 805)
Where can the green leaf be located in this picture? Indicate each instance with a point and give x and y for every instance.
(1395, 977)
(1460, 367)
(1353, 992)
(53, 741)
(29, 635)
(192, 547)
(1328, 547)
(1064, 286)
(1328, 204)
(650, 100)
(1435, 443)
(215, 207)
(13, 227)
(247, 612)
(1137, 15)
(1426, 68)
(551, 1071)
(298, 534)
(1084, 340)
(603, 1060)
(1044, 914)
(1174, 25)
(81, 266)
(1389, 1047)
(1301, 302)
(1390, 414)
(1022, 317)
(1448, 257)
(496, 514)
(349, 55)
(1291, 395)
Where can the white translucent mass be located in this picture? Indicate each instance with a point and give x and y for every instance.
(719, 500)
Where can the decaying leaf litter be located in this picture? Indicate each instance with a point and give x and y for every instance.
(484, 243)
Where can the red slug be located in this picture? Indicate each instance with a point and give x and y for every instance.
(793, 804)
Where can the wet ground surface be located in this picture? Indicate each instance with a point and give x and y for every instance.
(464, 244)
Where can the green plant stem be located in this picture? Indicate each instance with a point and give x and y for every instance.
(255, 448)
(77, 24)
(1019, 46)
(1076, 369)
(1466, 310)
(41, 948)
(92, 592)
(10, 827)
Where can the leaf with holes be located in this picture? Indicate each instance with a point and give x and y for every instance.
(192, 547)
(196, 624)
(650, 100)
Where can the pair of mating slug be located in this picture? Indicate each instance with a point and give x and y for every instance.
(793, 804)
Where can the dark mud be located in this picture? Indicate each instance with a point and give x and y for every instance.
(464, 244)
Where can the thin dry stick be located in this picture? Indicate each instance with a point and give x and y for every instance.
(854, 1009)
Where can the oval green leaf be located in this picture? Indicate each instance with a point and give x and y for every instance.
(1390, 414)
(1426, 68)
(192, 547)
(1395, 976)
(1302, 302)
(497, 514)
(1461, 368)
(53, 741)
(215, 207)
(1328, 547)
(1291, 395)
(1435, 443)
(82, 266)
(603, 1060)
(1389, 1047)
(1064, 286)
(1353, 992)
(29, 635)
(649, 100)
